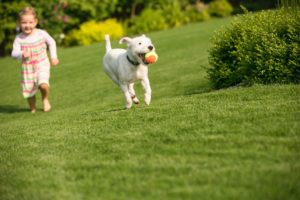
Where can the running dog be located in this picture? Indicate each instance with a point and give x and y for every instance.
(125, 66)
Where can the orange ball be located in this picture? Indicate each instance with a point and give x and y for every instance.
(151, 57)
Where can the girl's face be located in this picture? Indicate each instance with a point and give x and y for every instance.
(28, 24)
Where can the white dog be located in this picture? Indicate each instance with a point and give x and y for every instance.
(124, 67)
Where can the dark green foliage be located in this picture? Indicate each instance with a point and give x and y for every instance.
(252, 5)
(289, 3)
(250, 52)
(8, 19)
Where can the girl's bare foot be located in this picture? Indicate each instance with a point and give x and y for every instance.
(45, 92)
(31, 102)
(47, 106)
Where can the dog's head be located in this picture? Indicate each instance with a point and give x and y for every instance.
(138, 47)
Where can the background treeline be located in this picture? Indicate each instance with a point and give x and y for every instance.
(82, 22)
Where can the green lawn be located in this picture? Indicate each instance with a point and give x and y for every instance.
(191, 143)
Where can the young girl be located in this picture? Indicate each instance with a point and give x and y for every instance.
(30, 46)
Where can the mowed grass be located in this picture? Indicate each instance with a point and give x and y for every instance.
(191, 143)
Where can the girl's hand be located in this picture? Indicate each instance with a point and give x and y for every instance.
(54, 61)
(26, 54)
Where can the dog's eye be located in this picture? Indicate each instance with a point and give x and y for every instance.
(140, 43)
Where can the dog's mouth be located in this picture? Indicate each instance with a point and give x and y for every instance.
(142, 57)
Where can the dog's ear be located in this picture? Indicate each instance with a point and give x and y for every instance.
(125, 40)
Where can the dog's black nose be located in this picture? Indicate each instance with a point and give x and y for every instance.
(150, 47)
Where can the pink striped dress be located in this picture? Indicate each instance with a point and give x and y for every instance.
(36, 68)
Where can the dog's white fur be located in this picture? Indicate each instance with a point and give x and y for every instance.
(124, 67)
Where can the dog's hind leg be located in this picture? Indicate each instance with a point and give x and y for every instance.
(132, 93)
(109, 73)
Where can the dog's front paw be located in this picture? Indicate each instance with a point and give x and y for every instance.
(135, 99)
(147, 99)
(128, 105)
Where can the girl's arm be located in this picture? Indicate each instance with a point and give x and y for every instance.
(17, 52)
(51, 44)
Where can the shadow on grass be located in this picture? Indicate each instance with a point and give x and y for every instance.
(198, 89)
(104, 111)
(116, 110)
(9, 109)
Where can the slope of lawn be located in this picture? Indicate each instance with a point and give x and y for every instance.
(191, 143)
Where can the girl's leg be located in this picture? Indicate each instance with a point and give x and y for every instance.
(45, 93)
(31, 102)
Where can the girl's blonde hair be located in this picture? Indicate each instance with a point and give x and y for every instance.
(27, 11)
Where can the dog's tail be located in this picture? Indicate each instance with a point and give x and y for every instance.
(107, 43)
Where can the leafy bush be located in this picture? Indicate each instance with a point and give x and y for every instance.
(197, 12)
(91, 32)
(149, 20)
(248, 52)
(174, 15)
(220, 8)
(164, 14)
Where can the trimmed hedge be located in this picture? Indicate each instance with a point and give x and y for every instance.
(257, 48)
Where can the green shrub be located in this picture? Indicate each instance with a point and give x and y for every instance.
(197, 12)
(174, 15)
(91, 32)
(220, 8)
(149, 20)
(249, 52)
(162, 16)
